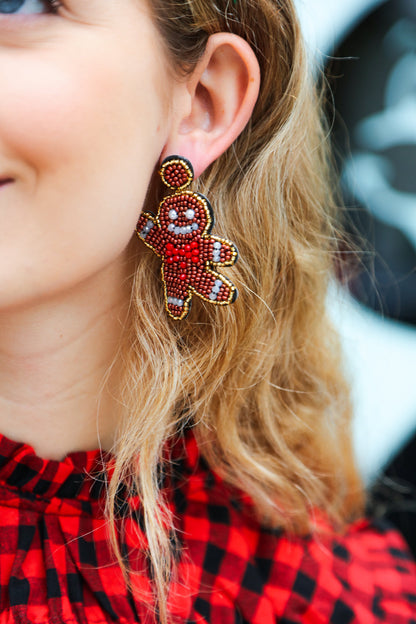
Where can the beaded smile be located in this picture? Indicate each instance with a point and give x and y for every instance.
(180, 235)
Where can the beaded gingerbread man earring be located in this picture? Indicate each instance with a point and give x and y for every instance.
(180, 233)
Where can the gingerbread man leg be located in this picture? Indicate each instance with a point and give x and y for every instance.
(213, 287)
(177, 293)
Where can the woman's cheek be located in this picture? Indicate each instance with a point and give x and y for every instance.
(55, 113)
(44, 113)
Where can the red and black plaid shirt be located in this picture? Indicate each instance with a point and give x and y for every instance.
(56, 565)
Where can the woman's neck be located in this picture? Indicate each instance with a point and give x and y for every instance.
(55, 360)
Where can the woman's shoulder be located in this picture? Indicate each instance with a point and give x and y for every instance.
(241, 571)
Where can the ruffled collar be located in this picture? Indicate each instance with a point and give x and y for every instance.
(76, 476)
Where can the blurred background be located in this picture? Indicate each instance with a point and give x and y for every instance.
(368, 50)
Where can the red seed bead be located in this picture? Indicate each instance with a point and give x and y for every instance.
(187, 248)
(176, 258)
(182, 276)
(182, 265)
(169, 246)
(194, 245)
(188, 255)
(182, 252)
(169, 260)
(195, 259)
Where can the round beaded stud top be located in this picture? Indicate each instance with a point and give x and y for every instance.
(180, 233)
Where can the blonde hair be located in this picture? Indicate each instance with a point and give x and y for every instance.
(260, 381)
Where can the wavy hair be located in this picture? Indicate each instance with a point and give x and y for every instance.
(260, 381)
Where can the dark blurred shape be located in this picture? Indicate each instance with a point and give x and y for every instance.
(375, 136)
(393, 497)
(375, 95)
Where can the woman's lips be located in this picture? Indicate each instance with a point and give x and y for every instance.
(5, 181)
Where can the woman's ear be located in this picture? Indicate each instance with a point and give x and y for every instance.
(214, 104)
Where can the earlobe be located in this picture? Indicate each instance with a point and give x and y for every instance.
(223, 90)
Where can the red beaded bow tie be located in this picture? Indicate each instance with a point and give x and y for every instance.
(180, 235)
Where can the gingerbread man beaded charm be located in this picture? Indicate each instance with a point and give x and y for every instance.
(180, 233)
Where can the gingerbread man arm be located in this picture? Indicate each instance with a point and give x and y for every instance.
(219, 251)
(148, 231)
